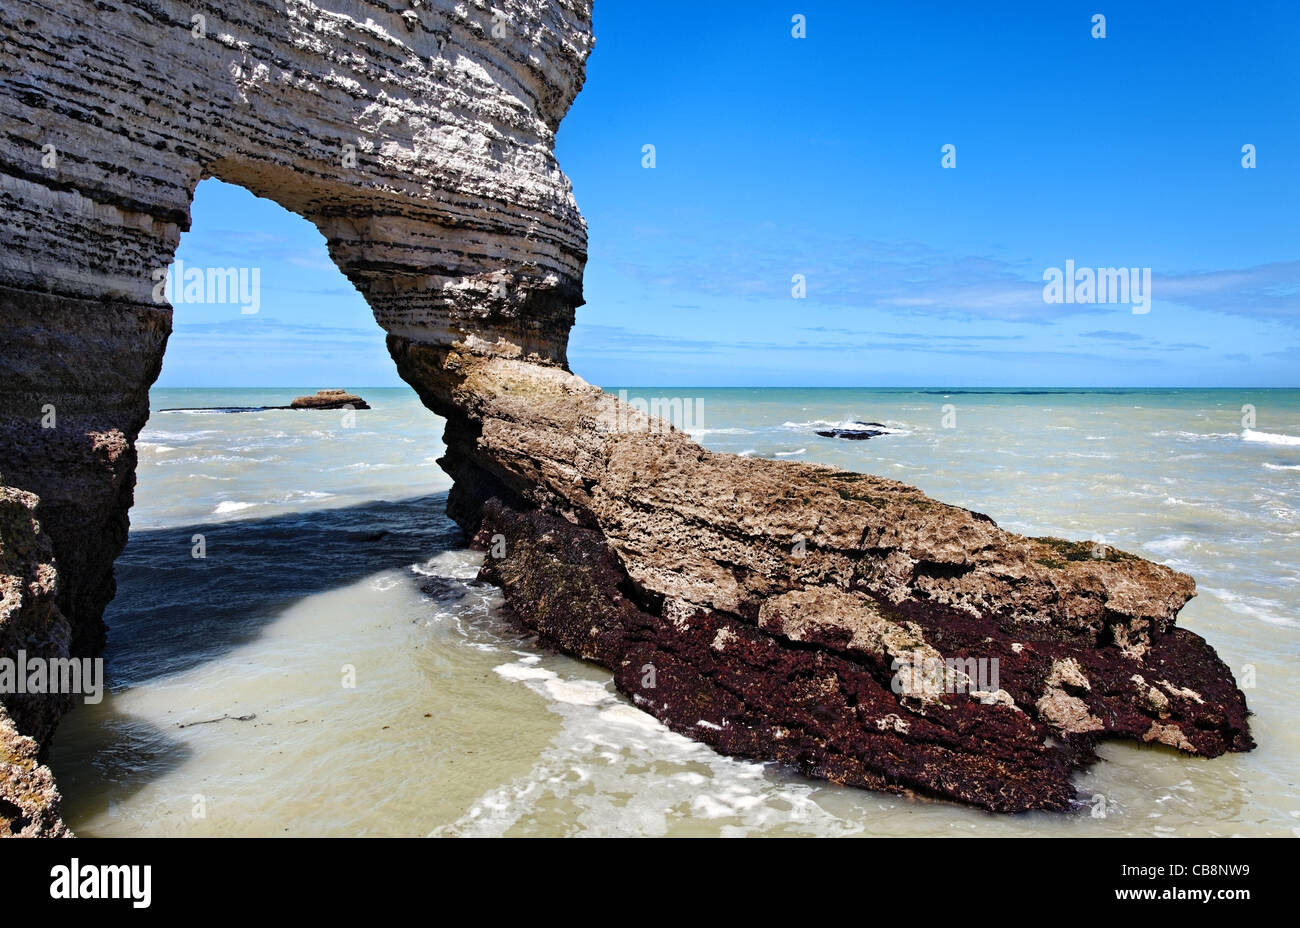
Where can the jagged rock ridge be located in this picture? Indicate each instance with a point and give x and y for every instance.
(791, 611)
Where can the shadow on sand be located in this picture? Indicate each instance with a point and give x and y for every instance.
(173, 611)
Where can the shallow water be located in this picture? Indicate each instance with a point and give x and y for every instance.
(320, 532)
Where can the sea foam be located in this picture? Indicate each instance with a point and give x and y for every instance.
(1270, 438)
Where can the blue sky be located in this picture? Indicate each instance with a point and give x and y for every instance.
(820, 156)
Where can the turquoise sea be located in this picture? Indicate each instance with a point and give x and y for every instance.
(328, 560)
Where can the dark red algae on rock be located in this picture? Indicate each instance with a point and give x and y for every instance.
(824, 698)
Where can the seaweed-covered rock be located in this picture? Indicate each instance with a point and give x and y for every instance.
(841, 684)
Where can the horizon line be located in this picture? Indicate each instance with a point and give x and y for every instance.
(750, 387)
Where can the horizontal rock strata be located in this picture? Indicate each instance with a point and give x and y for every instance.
(417, 136)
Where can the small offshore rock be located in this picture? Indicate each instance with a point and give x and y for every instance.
(329, 399)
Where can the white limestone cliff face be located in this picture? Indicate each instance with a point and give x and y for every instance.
(417, 135)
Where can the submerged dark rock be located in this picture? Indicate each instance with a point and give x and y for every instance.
(447, 590)
(868, 430)
(751, 690)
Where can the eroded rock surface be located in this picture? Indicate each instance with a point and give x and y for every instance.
(31, 625)
(791, 611)
(418, 137)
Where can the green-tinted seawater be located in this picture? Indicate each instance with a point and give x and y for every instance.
(320, 532)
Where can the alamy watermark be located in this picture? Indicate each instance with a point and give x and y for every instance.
(75, 880)
(657, 414)
(922, 673)
(181, 285)
(82, 676)
(1099, 285)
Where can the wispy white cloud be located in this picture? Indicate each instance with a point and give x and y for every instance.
(1266, 291)
(911, 278)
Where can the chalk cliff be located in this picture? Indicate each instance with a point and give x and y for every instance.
(418, 136)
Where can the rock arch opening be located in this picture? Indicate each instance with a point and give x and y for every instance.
(420, 147)
(257, 301)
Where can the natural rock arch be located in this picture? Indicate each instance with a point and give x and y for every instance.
(419, 142)
(773, 600)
